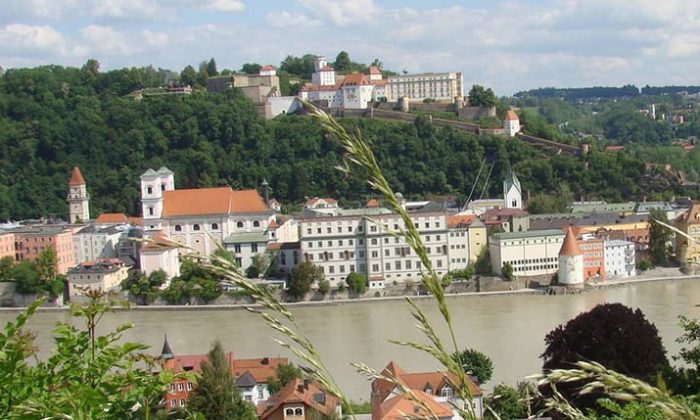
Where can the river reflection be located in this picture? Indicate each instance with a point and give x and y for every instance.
(510, 329)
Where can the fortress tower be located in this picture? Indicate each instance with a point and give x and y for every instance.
(570, 261)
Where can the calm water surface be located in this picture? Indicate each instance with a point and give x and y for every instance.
(510, 329)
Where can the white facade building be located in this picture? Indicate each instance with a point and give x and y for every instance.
(530, 253)
(97, 242)
(160, 256)
(358, 241)
(200, 219)
(323, 75)
(244, 246)
(511, 123)
(619, 258)
(417, 87)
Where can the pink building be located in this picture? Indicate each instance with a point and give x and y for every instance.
(32, 240)
(7, 245)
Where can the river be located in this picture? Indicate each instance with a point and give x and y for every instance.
(508, 328)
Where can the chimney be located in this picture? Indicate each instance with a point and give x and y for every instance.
(300, 388)
(265, 361)
(306, 384)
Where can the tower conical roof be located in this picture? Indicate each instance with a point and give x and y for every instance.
(570, 246)
(76, 178)
(167, 352)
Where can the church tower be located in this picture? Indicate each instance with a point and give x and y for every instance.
(78, 198)
(512, 193)
(154, 184)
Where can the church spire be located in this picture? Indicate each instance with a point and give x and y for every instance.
(167, 352)
(78, 198)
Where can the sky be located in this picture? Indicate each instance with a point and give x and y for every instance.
(506, 45)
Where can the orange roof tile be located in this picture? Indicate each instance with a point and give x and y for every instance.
(267, 68)
(76, 178)
(378, 82)
(401, 407)
(511, 115)
(374, 70)
(570, 246)
(372, 203)
(260, 369)
(460, 221)
(355, 79)
(203, 201)
(298, 391)
(107, 218)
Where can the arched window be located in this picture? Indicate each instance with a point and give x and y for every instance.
(178, 228)
(256, 224)
(298, 412)
(239, 224)
(289, 412)
(214, 226)
(195, 227)
(149, 190)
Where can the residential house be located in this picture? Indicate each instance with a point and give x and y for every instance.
(96, 242)
(30, 242)
(250, 375)
(688, 251)
(434, 389)
(7, 244)
(300, 400)
(160, 253)
(619, 258)
(511, 123)
(104, 274)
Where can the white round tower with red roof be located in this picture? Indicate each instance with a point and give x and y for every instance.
(570, 261)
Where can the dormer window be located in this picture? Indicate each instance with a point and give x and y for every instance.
(289, 412)
(446, 391)
(298, 412)
(428, 390)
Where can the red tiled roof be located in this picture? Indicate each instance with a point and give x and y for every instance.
(267, 68)
(372, 203)
(76, 178)
(460, 221)
(204, 201)
(570, 246)
(260, 369)
(374, 70)
(106, 218)
(295, 392)
(355, 79)
(399, 407)
(511, 115)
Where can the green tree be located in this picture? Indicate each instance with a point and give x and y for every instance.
(284, 374)
(510, 403)
(324, 286)
(342, 62)
(188, 76)
(611, 334)
(251, 68)
(87, 375)
(507, 272)
(658, 238)
(357, 283)
(475, 363)
(145, 288)
(252, 272)
(211, 68)
(215, 395)
(302, 277)
(483, 263)
(45, 264)
(480, 96)
(26, 278)
(6, 265)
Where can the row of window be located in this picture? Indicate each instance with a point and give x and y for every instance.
(533, 261)
(196, 226)
(180, 386)
(533, 241)
(536, 267)
(372, 228)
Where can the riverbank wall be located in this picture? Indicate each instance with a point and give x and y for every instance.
(374, 300)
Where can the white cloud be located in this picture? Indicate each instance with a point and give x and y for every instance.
(226, 5)
(18, 35)
(284, 19)
(155, 39)
(342, 12)
(106, 40)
